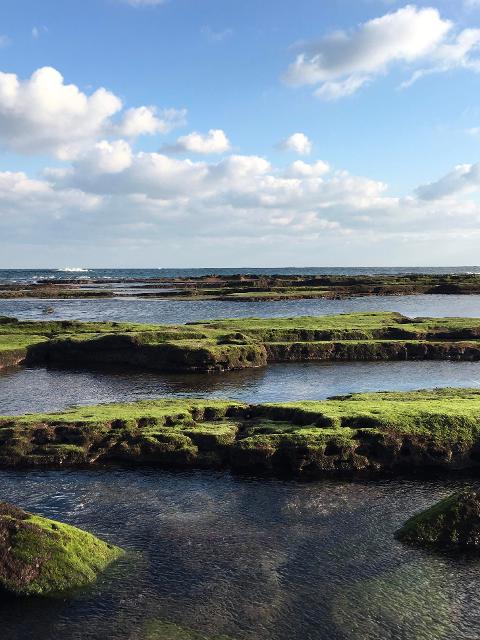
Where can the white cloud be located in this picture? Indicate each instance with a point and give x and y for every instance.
(106, 193)
(214, 37)
(464, 178)
(298, 143)
(44, 115)
(146, 120)
(215, 141)
(300, 169)
(111, 196)
(473, 131)
(37, 32)
(341, 63)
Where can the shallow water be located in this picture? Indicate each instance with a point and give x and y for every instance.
(179, 311)
(39, 390)
(247, 558)
(251, 559)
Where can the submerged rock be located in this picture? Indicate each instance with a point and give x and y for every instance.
(39, 556)
(163, 630)
(452, 523)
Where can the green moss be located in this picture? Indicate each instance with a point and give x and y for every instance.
(234, 344)
(256, 288)
(452, 523)
(372, 431)
(39, 556)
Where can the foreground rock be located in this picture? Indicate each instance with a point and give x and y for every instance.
(452, 523)
(224, 345)
(362, 434)
(43, 557)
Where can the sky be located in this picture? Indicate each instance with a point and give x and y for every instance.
(236, 133)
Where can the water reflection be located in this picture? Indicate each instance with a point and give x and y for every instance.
(35, 390)
(179, 311)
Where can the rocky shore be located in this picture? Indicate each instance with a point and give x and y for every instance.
(360, 434)
(238, 344)
(247, 288)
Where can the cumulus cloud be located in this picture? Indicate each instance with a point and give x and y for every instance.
(300, 169)
(42, 114)
(108, 193)
(298, 143)
(464, 178)
(136, 200)
(342, 62)
(215, 141)
(147, 120)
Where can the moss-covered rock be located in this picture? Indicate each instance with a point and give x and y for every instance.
(251, 287)
(452, 523)
(224, 345)
(43, 557)
(389, 432)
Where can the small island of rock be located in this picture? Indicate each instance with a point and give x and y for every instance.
(39, 556)
(452, 523)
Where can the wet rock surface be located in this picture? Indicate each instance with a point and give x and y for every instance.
(451, 524)
(39, 556)
(361, 434)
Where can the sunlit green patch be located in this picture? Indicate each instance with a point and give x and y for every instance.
(39, 556)
(407, 602)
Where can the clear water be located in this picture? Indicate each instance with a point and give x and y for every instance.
(179, 311)
(40, 390)
(247, 558)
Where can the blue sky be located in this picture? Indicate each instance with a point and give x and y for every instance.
(385, 192)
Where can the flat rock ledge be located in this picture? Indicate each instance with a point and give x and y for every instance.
(451, 524)
(43, 557)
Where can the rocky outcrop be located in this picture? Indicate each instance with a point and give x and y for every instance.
(12, 358)
(452, 524)
(226, 345)
(43, 557)
(364, 434)
(249, 287)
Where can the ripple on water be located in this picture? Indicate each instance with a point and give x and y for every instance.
(248, 559)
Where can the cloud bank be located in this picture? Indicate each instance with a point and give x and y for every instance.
(107, 195)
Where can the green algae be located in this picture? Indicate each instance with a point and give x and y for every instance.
(223, 345)
(407, 600)
(452, 524)
(372, 432)
(39, 556)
